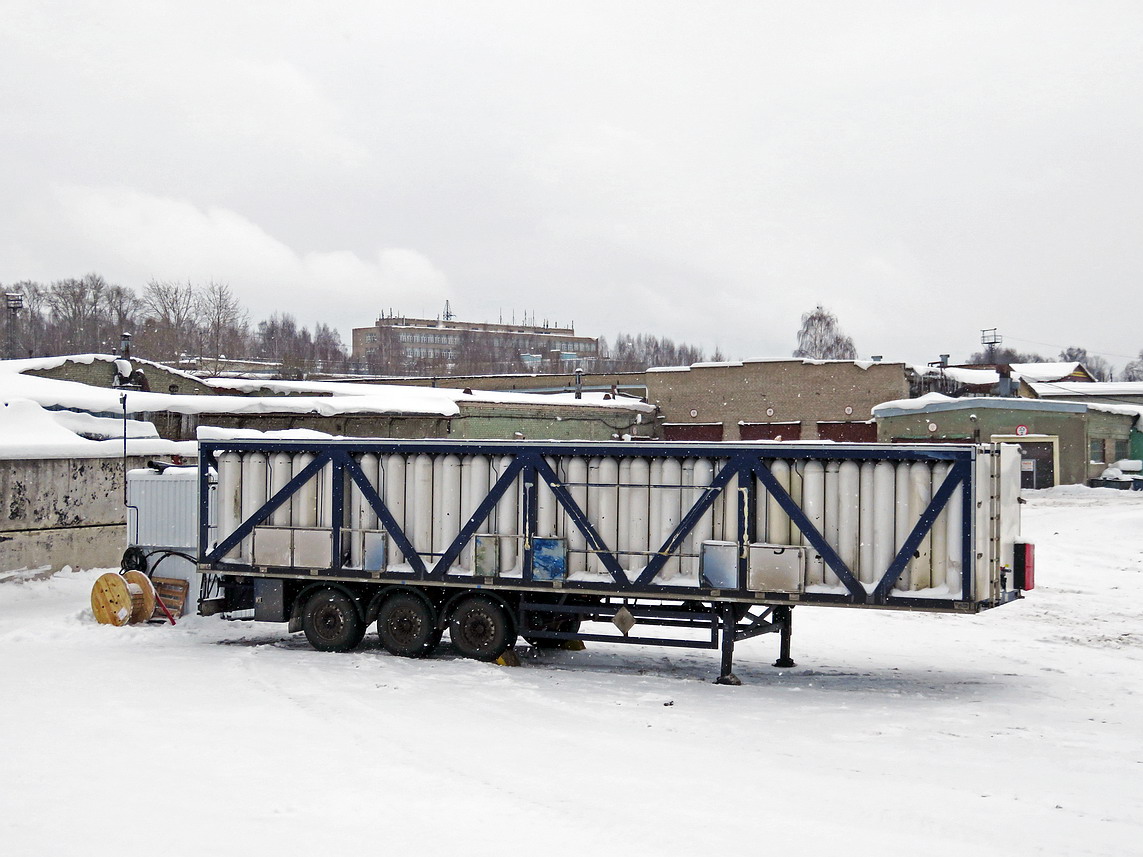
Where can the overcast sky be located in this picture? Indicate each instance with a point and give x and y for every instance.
(703, 171)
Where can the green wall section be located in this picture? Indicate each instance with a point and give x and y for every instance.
(1076, 431)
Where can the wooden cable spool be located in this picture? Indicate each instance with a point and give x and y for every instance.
(122, 599)
(141, 612)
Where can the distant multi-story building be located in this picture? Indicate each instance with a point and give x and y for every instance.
(398, 343)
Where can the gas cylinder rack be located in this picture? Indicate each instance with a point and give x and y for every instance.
(667, 543)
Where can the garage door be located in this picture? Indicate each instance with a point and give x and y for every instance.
(692, 431)
(848, 432)
(770, 431)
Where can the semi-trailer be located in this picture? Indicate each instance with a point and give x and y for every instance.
(660, 543)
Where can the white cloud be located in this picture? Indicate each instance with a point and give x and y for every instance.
(133, 236)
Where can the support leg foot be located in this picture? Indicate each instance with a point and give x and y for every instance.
(785, 617)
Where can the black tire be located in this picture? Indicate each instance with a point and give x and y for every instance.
(331, 621)
(481, 628)
(567, 626)
(406, 625)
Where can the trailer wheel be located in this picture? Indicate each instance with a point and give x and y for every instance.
(480, 628)
(406, 626)
(331, 622)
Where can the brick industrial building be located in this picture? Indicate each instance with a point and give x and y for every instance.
(788, 399)
(399, 343)
(775, 399)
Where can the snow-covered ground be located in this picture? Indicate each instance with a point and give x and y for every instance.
(1018, 731)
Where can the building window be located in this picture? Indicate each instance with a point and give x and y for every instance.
(1097, 451)
(1120, 450)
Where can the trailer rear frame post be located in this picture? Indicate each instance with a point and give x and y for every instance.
(729, 632)
(784, 619)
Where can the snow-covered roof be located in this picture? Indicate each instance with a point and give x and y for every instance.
(1045, 371)
(939, 402)
(216, 433)
(860, 364)
(1130, 410)
(935, 402)
(987, 376)
(918, 404)
(45, 364)
(970, 377)
(1081, 389)
(27, 430)
(358, 389)
(329, 398)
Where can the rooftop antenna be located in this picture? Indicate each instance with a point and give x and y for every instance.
(448, 316)
(990, 339)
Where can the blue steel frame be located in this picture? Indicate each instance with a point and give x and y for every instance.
(742, 460)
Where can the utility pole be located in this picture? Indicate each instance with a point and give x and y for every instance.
(15, 302)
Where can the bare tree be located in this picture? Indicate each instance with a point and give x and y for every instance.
(79, 314)
(281, 340)
(170, 319)
(1099, 368)
(820, 338)
(36, 322)
(222, 319)
(123, 309)
(1004, 355)
(328, 349)
(1133, 371)
(642, 351)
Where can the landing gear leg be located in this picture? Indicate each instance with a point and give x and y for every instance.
(785, 616)
(727, 675)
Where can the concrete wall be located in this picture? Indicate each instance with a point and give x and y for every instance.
(475, 420)
(349, 425)
(58, 512)
(775, 391)
(52, 549)
(554, 422)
